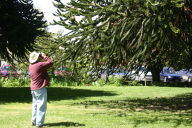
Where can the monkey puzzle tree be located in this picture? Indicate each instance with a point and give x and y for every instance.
(20, 23)
(130, 33)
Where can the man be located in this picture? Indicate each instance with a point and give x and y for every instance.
(39, 63)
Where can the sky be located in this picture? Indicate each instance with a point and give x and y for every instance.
(48, 9)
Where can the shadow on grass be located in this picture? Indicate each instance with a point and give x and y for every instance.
(177, 103)
(23, 95)
(175, 111)
(65, 124)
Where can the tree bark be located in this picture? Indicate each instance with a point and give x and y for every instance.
(155, 70)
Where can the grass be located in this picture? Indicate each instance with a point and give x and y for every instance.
(101, 107)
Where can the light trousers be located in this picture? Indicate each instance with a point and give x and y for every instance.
(39, 106)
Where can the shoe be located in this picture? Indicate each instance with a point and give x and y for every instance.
(33, 124)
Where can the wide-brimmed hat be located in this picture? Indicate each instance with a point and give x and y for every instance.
(33, 57)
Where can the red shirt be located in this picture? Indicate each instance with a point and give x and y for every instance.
(38, 73)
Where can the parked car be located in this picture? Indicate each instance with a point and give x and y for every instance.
(118, 72)
(168, 74)
(186, 75)
(63, 71)
(141, 75)
(115, 72)
(8, 70)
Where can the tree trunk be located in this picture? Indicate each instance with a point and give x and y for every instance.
(155, 70)
(107, 76)
(155, 75)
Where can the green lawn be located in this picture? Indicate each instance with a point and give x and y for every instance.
(101, 107)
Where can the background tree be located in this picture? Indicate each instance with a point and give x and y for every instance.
(19, 25)
(127, 33)
(51, 44)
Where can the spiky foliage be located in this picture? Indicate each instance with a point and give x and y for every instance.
(49, 45)
(127, 33)
(20, 23)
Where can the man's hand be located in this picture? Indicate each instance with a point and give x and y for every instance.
(43, 55)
